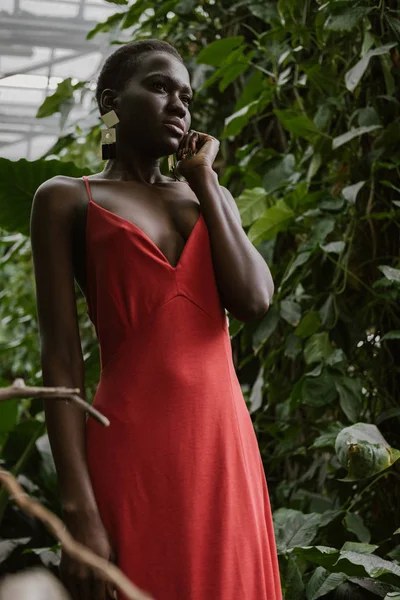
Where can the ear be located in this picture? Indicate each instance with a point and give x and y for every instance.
(107, 100)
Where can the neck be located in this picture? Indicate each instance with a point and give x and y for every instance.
(133, 165)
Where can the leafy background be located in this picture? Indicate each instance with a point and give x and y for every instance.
(304, 98)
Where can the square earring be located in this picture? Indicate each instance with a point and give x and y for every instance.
(109, 135)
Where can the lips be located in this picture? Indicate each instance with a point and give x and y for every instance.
(175, 126)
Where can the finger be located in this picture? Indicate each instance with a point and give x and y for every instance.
(193, 143)
(187, 142)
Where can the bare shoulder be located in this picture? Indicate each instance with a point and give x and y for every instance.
(56, 199)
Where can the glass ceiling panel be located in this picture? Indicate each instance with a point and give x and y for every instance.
(34, 59)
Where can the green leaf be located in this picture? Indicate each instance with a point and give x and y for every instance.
(355, 524)
(328, 437)
(391, 335)
(392, 596)
(329, 312)
(363, 451)
(349, 390)
(317, 348)
(350, 193)
(252, 203)
(290, 312)
(333, 247)
(235, 123)
(296, 123)
(53, 103)
(322, 229)
(8, 414)
(275, 219)
(298, 261)
(293, 582)
(362, 565)
(218, 51)
(347, 19)
(107, 25)
(354, 75)
(266, 328)
(350, 135)
(309, 324)
(390, 273)
(322, 582)
(278, 171)
(362, 548)
(320, 555)
(294, 528)
(18, 183)
(318, 391)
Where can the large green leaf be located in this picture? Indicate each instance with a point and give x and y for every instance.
(352, 564)
(62, 96)
(318, 391)
(218, 51)
(294, 528)
(252, 204)
(18, 183)
(322, 582)
(355, 524)
(275, 219)
(296, 123)
(278, 172)
(363, 451)
(235, 122)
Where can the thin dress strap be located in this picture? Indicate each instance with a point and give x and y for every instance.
(86, 180)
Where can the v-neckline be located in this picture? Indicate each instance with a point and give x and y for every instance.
(147, 238)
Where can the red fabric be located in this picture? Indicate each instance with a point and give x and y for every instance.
(177, 475)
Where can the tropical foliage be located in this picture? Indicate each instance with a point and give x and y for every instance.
(304, 98)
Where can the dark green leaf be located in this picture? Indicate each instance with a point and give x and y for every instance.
(355, 524)
(217, 52)
(362, 449)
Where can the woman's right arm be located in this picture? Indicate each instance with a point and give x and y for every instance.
(52, 216)
(60, 345)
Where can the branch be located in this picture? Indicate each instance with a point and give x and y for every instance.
(19, 390)
(106, 569)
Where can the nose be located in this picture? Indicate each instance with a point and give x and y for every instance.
(176, 106)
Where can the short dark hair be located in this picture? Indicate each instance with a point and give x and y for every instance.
(118, 67)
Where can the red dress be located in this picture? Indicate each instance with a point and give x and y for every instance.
(177, 475)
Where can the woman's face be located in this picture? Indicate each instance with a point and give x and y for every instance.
(154, 106)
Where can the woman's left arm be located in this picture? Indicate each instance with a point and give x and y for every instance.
(243, 277)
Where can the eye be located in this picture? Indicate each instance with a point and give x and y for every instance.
(187, 100)
(159, 85)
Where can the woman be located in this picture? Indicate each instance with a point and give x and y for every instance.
(174, 489)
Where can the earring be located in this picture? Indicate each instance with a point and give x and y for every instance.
(109, 135)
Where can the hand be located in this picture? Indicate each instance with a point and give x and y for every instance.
(80, 580)
(204, 149)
